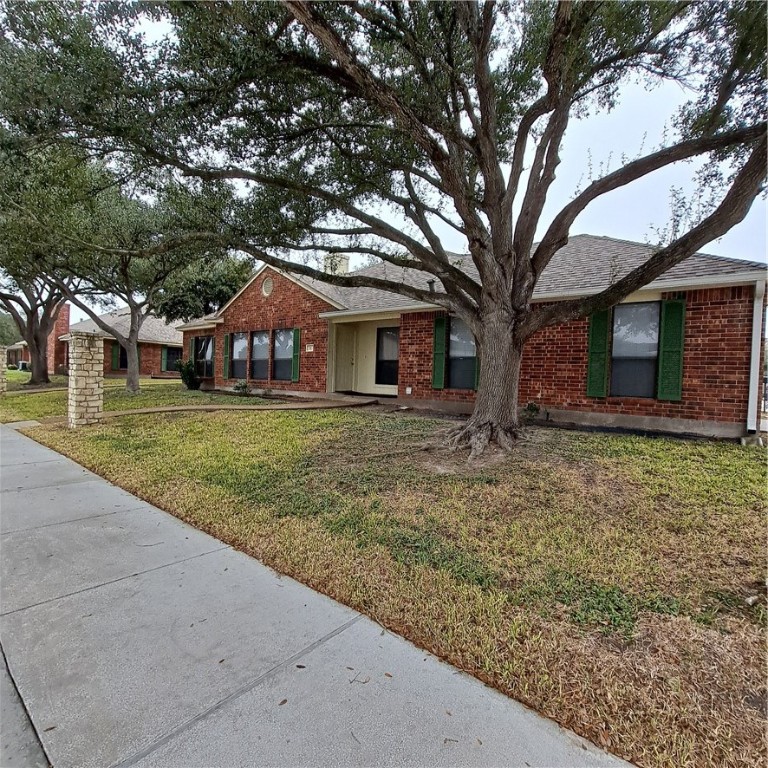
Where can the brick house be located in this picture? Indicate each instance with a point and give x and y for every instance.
(681, 355)
(57, 349)
(160, 344)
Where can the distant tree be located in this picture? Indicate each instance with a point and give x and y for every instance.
(334, 122)
(9, 333)
(33, 305)
(69, 231)
(29, 298)
(202, 287)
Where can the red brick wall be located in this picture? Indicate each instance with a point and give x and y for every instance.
(288, 306)
(57, 350)
(416, 340)
(718, 334)
(150, 361)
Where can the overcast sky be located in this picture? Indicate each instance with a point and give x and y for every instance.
(638, 210)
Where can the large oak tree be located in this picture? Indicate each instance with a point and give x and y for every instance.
(370, 127)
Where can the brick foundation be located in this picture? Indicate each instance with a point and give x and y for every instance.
(85, 396)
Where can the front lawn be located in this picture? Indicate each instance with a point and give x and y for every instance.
(152, 395)
(18, 380)
(599, 579)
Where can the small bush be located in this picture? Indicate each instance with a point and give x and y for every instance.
(12, 367)
(188, 374)
(242, 388)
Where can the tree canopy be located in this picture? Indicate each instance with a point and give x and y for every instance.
(202, 287)
(371, 127)
(9, 333)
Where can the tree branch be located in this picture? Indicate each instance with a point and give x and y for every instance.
(557, 234)
(734, 207)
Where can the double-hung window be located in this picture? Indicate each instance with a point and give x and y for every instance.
(635, 349)
(462, 356)
(239, 355)
(171, 356)
(282, 355)
(260, 355)
(204, 356)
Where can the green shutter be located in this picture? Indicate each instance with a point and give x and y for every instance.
(115, 356)
(598, 354)
(164, 359)
(477, 370)
(192, 349)
(226, 356)
(438, 354)
(296, 354)
(671, 332)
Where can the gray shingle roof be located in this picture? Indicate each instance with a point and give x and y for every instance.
(587, 264)
(154, 330)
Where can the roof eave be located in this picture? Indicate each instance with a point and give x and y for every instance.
(199, 325)
(685, 284)
(351, 313)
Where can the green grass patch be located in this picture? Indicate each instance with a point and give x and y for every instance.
(18, 381)
(153, 394)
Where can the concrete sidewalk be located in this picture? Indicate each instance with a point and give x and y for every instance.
(136, 640)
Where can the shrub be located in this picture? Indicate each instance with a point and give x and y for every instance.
(242, 388)
(12, 367)
(188, 374)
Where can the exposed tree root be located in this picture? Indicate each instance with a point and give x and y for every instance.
(478, 435)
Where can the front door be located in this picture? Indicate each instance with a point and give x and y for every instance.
(346, 341)
(387, 355)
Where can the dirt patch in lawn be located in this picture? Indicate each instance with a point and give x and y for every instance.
(601, 579)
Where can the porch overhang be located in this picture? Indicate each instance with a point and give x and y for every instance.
(200, 325)
(379, 313)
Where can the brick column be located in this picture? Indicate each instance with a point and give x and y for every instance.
(3, 368)
(86, 379)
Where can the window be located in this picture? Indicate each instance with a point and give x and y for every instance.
(239, 356)
(122, 358)
(172, 356)
(462, 357)
(204, 356)
(282, 355)
(267, 286)
(260, 355)
(635, 351)
(387, 354)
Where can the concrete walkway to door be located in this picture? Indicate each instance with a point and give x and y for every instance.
(136, 640)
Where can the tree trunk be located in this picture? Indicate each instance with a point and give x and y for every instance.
(495, 417)
(38, 359)
(132, 376)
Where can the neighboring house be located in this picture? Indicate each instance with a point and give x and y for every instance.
(681, 355)
(16, 353)
(57, 350)
(160, 344)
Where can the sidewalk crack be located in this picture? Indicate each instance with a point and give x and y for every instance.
(236, 694)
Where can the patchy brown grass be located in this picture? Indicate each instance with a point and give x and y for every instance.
(599, 579)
